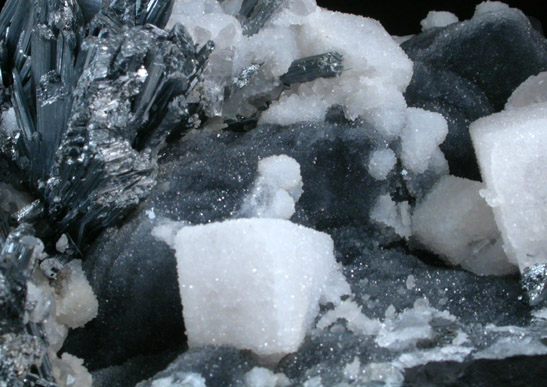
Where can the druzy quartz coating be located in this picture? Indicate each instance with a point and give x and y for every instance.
(269, 193)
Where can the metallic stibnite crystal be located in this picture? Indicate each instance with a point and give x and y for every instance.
(93, 111)
(534, 281)
(139, 12)
(261, 12)
(18, 354)
(247, 7)
(328, 65)
(17, 260)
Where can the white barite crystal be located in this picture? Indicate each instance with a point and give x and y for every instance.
(67, 302)
(381, 163)
(350, 311)
(387, 212)
(420, 139)
(180, 379)
(263, 377)
(76, 302)
(438, 19)
(410, 326)
(513, 346)
(401, 39)
(276, 189)
(531, 91)
(511, 148)
(253, 283)
(456, 353)
(9, 121)
(376, 70)
(352, 370)
(410, 282)
(62, 243)
(490, 6)
(69, 371)
(12, 200)
(455, 222)
(372, 373)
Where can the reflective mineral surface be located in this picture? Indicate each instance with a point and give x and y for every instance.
(269, 193)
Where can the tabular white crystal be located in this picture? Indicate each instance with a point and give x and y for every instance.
(9, 121)
(12, 200)
(263, 377)
(410, 326)
(276, 189)
(512, 346)
(511, 148)
(76, 302)
(420, 139)
(531, 91)
(353, 369)
(180, 379)
(391, 214)
(381, 163)
(252, 283)
(410, 282)
(455, 222)
(350, 311)
(61, 244)
(438, 19)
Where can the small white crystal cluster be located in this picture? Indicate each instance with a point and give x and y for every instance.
(66, 303)
(256, 283)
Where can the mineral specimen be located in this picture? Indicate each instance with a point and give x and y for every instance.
(341, 207)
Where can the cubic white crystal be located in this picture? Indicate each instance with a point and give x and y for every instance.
(381, 163)
(511, 148)
(253, 283)
(455, 222)
(438, 19)
(420, 139)
(531, 91)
